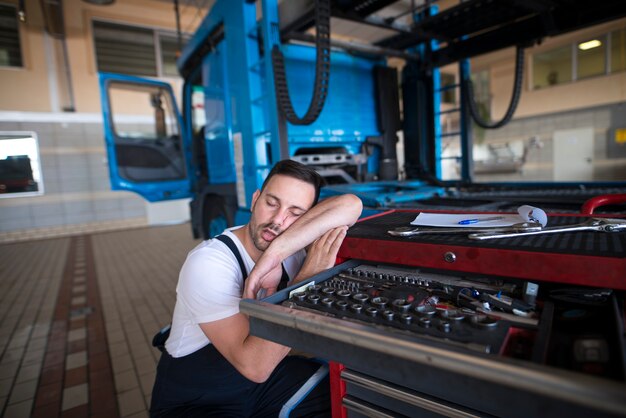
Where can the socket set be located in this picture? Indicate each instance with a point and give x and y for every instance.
(414, 304)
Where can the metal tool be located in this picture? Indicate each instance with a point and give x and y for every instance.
(409, 231)
(593, 224)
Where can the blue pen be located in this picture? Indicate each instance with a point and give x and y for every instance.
(474, 221)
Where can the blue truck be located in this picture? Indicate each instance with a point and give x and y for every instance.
(265, 81)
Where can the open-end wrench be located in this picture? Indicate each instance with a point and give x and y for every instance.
(409, 231)
(593, 224)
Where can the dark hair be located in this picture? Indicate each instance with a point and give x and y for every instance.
(298, 171)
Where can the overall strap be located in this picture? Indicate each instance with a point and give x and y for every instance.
(284, 279)
(233, 247)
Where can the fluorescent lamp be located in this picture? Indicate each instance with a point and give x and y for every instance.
(594, 43)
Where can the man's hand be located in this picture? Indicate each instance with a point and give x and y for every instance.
(265, 275)
(322, 253)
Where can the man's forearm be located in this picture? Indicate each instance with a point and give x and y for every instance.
(331, 213)
(343, 210)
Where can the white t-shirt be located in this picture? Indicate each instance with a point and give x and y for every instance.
(209, 288)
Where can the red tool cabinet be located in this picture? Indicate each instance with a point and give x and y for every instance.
(566, 356)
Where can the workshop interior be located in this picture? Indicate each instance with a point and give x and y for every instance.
(485, 138)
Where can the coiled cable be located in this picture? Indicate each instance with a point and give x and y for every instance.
(322, 70)
(517, 92)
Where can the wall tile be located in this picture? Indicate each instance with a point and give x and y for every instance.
(39, 127)
(74, 140)
(46, 140)
(48, 209)
(77, 207)
(79, 218)
(75, 185)
(62, 129)
(50, 220)
(10, 213)
(7, 225)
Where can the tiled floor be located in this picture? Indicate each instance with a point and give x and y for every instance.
(77, 316)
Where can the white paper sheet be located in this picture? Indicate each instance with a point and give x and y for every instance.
(482, 220)
(452, 220)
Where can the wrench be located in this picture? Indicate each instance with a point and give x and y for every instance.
(409, 231)
(593, 224)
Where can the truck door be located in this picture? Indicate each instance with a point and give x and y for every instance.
(144, 138)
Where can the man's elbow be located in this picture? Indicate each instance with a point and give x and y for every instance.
(256, 373)
(352, 206)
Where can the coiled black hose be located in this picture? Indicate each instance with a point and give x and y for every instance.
(322, 70)
(517, 92)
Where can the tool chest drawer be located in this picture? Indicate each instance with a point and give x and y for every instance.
(367, 396)
(586, 258)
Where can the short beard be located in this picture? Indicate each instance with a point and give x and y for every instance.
(259, 242)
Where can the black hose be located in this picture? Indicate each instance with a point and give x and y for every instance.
(517, 92)
(322, 70)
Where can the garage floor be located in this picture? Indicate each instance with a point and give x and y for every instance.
(77, 316)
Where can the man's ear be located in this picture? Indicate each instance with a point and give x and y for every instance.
(255, 197)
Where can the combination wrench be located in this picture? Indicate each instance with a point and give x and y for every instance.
(593, 224)
(410, 231)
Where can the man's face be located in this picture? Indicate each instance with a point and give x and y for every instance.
(281, 203)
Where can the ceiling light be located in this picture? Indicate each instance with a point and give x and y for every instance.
(594, 43)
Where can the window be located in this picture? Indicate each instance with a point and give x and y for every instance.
(618, 50)
(124, 49)
(482, 91)
(600, 55)
(169, 50)
(146, 132)
(552, 67)
(448, 85)
(482, 98)
(591, 57)
(20, 169)
(146, 103)
(10, 52)
(133, 50)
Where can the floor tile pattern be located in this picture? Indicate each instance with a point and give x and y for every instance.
(30, 276)
(77, 315)
(76, 378)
